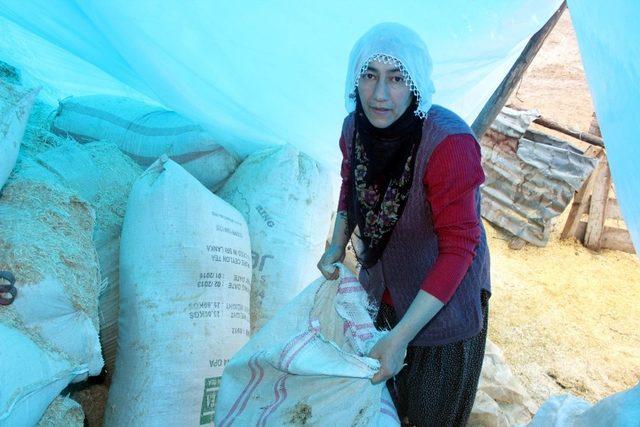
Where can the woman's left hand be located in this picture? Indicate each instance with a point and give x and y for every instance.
(390, 350)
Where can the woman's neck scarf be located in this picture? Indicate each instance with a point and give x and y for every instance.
(382, 162)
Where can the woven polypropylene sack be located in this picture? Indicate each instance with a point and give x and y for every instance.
(49, 333)
(185, 272)
(43, 374)
(145, 132)
(285, 196)
(308, 365)
(63, 412)
(15, 105)
(620, 410)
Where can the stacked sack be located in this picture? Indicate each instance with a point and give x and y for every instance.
(103, 176)
(185, 273)
(63, 412)
(144, 132)
(94, 153)
(50, 331)
(285, 197)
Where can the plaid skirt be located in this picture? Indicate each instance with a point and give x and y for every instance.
(437, 387)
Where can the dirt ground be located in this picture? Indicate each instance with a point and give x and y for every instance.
(565, 317)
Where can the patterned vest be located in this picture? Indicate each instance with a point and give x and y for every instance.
(413, 248)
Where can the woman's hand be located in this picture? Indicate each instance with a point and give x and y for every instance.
(390, 350)
(333, 254)
(336, 250)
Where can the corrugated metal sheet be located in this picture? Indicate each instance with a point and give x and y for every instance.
(514, 123)
(530, 177)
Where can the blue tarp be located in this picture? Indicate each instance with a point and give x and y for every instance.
(609, 40)
(262, 73)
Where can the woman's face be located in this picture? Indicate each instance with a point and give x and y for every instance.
(383, 93)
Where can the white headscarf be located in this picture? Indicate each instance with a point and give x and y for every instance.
(392, 43)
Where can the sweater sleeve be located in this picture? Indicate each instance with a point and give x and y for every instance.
(344, 173)
(453, 174)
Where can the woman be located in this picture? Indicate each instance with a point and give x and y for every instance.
(410, 189)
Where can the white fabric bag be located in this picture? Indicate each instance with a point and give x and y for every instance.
(185, 271)
(285, 196)
(63, 412)
(103, 175)
(145, 132)
(15, 105)
(306, 366)
(49, 334)
(618, 410)
(31, 377)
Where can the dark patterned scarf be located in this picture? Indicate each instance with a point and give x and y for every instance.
(382, 163)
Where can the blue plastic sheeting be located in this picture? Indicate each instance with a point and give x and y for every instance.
(59, 73)
(609, 37)
(260, 73)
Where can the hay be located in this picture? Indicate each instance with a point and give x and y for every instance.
(63, 412)
(565, 317)
(46, 232)
(118, 173)
(37, 138)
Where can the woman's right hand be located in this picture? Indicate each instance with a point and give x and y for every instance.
(333, 254)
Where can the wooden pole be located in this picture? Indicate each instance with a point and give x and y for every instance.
(580, 205)
(583, 136)
(502, 93)
(598, 205)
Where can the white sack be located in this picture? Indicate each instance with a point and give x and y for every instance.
(44, 307)
(286, 199)
(49, 333)
(63, 412)
(15, 105)
(103, 175)
(502, 399)
(145, 132)
(73, 166)
(306, 366)
(30, 378)
(618, 410)
(184, 300)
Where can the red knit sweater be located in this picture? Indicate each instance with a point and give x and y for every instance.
(453, 173)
